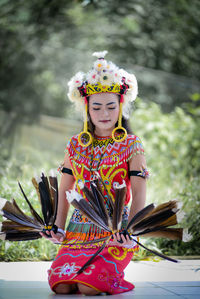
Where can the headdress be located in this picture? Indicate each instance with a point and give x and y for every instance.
(105, 76)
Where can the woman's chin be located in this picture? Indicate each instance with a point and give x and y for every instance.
(105, 127)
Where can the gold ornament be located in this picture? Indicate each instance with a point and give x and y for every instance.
(119, 127)
(85, 138)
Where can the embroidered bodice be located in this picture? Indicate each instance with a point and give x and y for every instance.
(110, 159)
(113, 166)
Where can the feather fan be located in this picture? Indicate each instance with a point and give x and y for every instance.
(151, 221)
(19, 226)
(80, 203)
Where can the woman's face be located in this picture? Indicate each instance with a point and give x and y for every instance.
(104, 111)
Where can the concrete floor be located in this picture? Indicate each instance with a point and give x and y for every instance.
(152, 280)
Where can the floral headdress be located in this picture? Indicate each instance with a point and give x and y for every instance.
(105, 76)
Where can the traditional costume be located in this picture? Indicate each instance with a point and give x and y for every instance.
(87, 255)
(109, 156)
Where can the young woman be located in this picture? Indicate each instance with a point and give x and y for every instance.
(117, 156)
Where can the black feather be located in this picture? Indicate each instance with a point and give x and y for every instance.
(33, 212)
(103, 213)
(92, 258)
(140, 215)
(157, 253)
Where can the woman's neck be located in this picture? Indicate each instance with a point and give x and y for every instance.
(103, 133)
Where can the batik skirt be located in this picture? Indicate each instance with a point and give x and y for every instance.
(104, 274)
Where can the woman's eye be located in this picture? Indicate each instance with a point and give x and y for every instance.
(111, 108)
(96, 108)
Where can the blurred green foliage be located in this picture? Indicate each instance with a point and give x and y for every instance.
(42, 42)
(172, 144)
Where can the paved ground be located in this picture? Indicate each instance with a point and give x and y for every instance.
(153, 280)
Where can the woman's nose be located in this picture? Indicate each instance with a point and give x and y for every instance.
(105, 112)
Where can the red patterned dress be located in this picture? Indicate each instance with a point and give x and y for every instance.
(106, 272)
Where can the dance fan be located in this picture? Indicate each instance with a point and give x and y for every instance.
(20, 227)
(151, 221)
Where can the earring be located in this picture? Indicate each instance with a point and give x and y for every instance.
(85, 138)
(119, 127)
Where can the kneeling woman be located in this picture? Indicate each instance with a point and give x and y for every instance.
(107, 147)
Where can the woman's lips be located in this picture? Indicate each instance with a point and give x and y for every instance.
(104, 121)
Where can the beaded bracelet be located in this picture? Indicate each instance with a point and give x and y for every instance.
(61, 231)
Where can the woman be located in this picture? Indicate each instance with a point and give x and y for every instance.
(118, 157)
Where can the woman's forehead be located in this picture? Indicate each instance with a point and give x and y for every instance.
(104, 98)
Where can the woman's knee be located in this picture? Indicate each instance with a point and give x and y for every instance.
(62, 288)
(87, 290)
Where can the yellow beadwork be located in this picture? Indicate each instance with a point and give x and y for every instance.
(98, 88)
(110, 177)
(119, 127)
(85, 132)
(111, 156)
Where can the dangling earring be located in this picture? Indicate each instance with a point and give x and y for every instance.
(85, 138)
(119, 127)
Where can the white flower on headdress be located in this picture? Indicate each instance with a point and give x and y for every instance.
(132, 82)
(100, 64)
(100, 54)
(92, 77)
(74, 83)
(117, 78)
(126, 108)
(111, 66)
(77, 80)
(106, 78)
(133, 86)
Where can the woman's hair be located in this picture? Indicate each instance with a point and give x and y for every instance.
(125, 124)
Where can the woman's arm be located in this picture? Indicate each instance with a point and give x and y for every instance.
(66, 183)
(138, 185)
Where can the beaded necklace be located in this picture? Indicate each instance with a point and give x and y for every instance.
(92, 157)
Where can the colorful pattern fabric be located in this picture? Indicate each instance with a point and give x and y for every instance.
(107, 269)
(114, 163)
(104, 274)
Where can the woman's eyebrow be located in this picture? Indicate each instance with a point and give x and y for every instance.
(96, 104)
(99, 104)
(110, 103)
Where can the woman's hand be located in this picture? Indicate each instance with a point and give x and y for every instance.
(55, 238)
(127, 242)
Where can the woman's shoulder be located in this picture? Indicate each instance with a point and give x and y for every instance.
(73, 139)
(133, 138)
(72, 143)
(135, 144)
